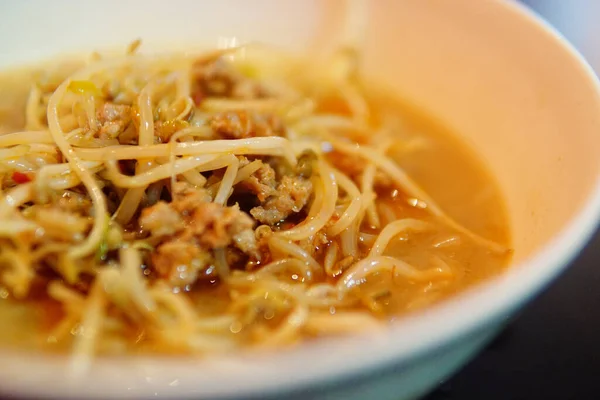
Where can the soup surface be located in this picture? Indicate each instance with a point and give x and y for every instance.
(227, 200)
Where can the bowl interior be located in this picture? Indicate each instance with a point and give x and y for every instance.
(523, 103)
(488, 70)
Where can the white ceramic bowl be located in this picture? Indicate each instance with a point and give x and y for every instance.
(489, 69)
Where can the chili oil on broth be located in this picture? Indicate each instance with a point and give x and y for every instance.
(435, 158)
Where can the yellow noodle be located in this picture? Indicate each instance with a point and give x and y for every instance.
(204, 132)
(242, 174)
(11, 229)
(133, 197)
(187, 109)
(323, 290)
(394, 229)
(194, 177)
(144, 102)
(46, 173)
(220, 323)
(318, 200)
(226, 186)
(128, 205)
(286, 264)
(143, 179)
(66, 181)
(247, 170)
(349, 241)
(49, 248)
(14, 152)
(296, 291)
(20, 165)
(179, 306)
(221, 264)
(90, 109)
(386, 213)
(68, 268)
(357, 274)
(352, 212)
(18, 273)
(283, 246)
(288, 330)
(356, 103)
(43, 148)
(68, 296)
(131, 273)
(331, 256)
(64, 328)
(367, 239)
(275, 146)
(90, 331)
(94, 238)
(366, 185)
(15, 197)
(32, 118)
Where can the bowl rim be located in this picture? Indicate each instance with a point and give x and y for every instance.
(296, 369)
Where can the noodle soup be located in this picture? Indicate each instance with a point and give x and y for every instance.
(224, 201)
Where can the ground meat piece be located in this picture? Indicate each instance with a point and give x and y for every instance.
(190, 228)
(216, 77)
(113, 119)
(246, 242)
(189, 200)
(278, 199)
(262, 183)
(180, 262)
(216, 226)
(161, 220)
(245, 124)
(291, 196)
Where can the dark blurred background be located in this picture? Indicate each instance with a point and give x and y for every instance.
(552, 349)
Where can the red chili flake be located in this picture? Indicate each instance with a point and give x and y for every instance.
(19, 177)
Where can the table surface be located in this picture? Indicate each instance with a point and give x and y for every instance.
(552, 350)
